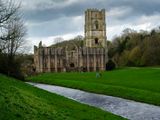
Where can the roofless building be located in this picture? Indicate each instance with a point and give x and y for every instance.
(91, 57)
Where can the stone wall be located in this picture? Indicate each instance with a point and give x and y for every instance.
(48, 59)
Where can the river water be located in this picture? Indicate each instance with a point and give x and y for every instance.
(126, 108)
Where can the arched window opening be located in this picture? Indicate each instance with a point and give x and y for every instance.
(96, 24)
(96, 40)
(72, 65)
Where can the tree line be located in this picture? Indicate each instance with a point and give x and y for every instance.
(135, 48)
(132, 48)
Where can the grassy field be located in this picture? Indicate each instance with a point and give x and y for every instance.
(139, 84)
(19, 101)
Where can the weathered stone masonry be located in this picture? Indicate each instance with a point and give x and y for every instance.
(91, 57)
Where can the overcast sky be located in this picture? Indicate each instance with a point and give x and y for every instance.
(48, 19)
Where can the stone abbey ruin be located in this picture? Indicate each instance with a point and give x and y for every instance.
(92, 56)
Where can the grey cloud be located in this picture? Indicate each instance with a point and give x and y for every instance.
(58, 19)
(60, 26)
(77, 8)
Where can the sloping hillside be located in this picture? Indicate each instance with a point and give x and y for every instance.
(19, 101)
(69, 43)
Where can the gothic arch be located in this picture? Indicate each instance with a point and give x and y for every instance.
(96, 25)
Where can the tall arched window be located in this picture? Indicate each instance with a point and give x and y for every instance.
(96, 40)
(96, 24)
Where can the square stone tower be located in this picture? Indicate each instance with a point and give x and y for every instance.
(95, 28)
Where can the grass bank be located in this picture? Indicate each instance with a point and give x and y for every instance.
(19, 101)
(139, 84)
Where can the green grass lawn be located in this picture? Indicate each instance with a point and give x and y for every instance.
(139, 84)
(19, 101)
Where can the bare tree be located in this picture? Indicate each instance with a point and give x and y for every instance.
(12, 27)
(79, 37)
(14, 37)
(8, 14)
(12, 33)
(58, 40)
(7, 10)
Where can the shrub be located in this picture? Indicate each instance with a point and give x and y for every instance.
(110, 65)
(10, 67)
